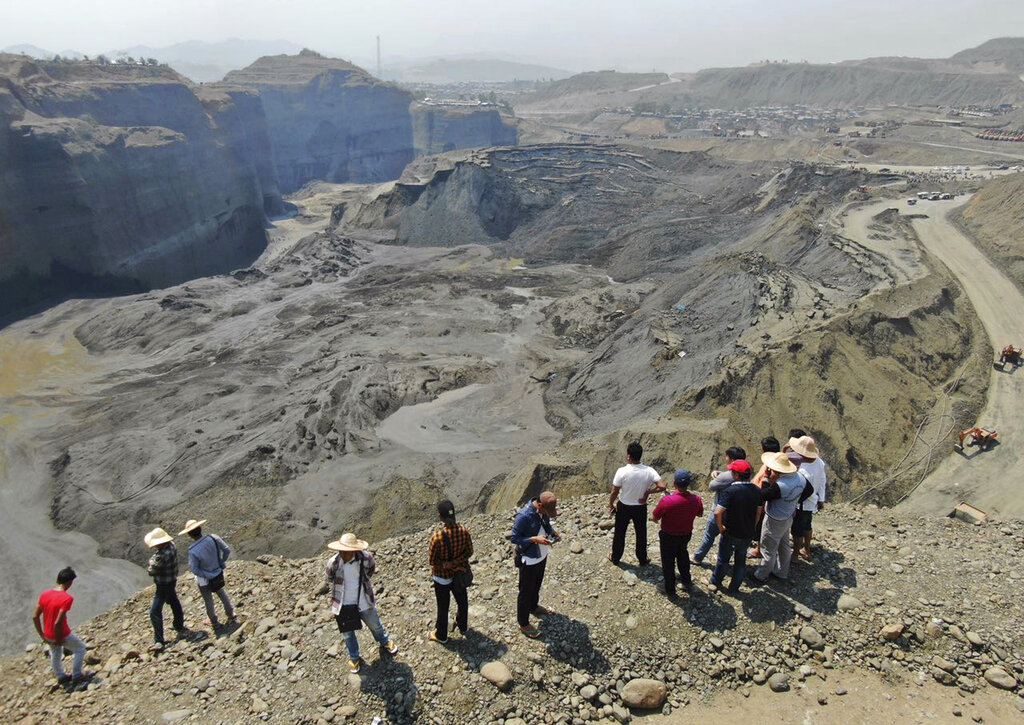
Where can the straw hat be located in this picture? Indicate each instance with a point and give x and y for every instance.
(156, 537)
(778, 462)
(805, 446)
(348, 542)
(192, 524)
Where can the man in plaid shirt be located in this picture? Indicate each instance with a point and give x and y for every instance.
(449, 551)
(163, 567)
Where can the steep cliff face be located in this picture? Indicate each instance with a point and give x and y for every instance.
(330, 120)
(117, 178)
(437, 129)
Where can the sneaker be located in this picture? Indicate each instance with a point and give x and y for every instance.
(82, 677)
(695, 561)
(434, 638)
(353, 666)
(391, 648)
(156, 647)
(64, 680)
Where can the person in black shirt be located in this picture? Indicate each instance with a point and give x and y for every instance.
(736, 516)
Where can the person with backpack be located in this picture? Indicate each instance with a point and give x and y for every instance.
(449, 551)
(207, 557)
(353, 601)
(51, 622)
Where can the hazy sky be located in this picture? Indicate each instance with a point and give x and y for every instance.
(670, 35)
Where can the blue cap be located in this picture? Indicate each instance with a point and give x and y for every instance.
(683, 476)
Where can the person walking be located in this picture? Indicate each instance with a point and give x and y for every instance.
(163, 567)
(736, 515)
(51, 622)
(632, 485)
(676, 512)
(449, 551)
(532, 535)
(782, 491)
(813, 468)
(720, 480)
(207, 557)
(353, 600)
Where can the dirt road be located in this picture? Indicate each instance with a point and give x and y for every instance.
(983, 479)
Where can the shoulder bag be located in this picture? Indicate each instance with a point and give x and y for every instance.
(349, 619)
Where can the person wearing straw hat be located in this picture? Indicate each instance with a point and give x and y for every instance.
(813, 468)
(207, 557)
(782, 491)
(448, 551)
(163, 567)
(348, 578)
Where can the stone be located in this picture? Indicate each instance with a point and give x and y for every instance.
(588, 692)
(175, 715)
(644, 694)
(810, 636)
(998, 677)
(975, 639)
(498, 674)
(576, 547)
(631, 622)
(803, 611)
(891, 632)
(779, 682)
(258, 705)
(849, 603)
(716, 643)
(621, 714)
(943, 664)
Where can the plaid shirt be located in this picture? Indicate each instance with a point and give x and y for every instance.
(446, 560)
(163, 565)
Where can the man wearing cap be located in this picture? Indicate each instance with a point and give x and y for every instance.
(813, 468)
(163, 567)
(207, 557)
(348, 578)
(449, 551)
(720, 480)
(676, 512)
(532, 535)
(736, 517)
(51, 622)
(632, 485)
(782, 490)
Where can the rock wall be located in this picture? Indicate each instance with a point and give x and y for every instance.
(116, 178)
(437, 129)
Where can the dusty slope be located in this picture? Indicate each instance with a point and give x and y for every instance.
(958, 620)
(994, 218)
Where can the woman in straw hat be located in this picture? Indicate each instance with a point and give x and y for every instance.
(207, 557)
(352, 596)
(163, 567)
(782, 490)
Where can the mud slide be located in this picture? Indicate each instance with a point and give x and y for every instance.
(986, 479)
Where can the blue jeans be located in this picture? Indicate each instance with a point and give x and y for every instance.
(372, 621)
(710, 532)
(731, 548)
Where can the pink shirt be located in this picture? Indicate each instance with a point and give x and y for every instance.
(676, 512)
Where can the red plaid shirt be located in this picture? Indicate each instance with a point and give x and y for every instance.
(445, 560)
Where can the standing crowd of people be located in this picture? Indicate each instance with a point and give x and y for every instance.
(765, 509)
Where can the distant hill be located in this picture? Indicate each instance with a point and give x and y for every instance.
(205, 62)
(457, 70)
(32, 51)
(1005, 52)
(596, 82)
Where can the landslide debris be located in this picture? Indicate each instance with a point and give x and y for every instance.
(881, 596)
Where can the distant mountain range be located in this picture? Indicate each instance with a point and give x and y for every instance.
(466, 69)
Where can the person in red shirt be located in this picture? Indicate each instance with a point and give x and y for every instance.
(51, 622)
(676, 512)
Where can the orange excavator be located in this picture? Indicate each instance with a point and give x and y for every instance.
(1012, 355)
(983, 438)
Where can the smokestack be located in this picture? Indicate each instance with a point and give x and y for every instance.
(378, 56)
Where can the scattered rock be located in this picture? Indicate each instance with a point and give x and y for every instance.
(175, 715)
(810, 636)
(998, 677)
(644, 694)
(498, 674)
(779, 682)
(891, 632)
(849, 603)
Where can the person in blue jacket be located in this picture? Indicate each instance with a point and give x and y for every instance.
(207, 557)
(532, 535)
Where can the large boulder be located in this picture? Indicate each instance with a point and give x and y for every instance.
(498, 674)
(644, 694)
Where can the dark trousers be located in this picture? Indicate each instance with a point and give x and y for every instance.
(732, 554)
(673, 555)
(166, 593)
(530, 579)
(623, 516)
(443, 593)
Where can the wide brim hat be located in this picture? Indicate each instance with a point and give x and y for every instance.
(778, 462)
(156, 537)
(190, 525)
(804, 445)
(348, 542)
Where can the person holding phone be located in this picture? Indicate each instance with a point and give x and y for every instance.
(532, 535)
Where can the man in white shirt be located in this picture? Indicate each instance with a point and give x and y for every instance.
(632, 484)
(813, 468)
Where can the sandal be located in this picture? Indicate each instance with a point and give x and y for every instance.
(530, 631)
(540, 610)
(434, 638)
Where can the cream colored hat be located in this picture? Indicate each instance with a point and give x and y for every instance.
(348, 542)
(804, 445)
(156, 537)
(778, 462)
(192, 524)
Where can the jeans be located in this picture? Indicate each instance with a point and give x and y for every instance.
(371, 619)
(77, 648)
(710, 533)
(776, 548)
(443, 593)
(222, 594)
(731, 548)
(673, 555)
(625, 514)
(530, 578)
(166, 593)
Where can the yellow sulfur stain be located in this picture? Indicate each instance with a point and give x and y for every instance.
(25, 364)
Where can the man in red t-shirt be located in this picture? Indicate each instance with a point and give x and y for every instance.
(676, 512)
(51, 622)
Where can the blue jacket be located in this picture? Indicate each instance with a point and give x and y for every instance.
(207, 556)
(529, 521)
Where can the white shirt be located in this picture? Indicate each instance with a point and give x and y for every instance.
(531, 560)
(351, 574)
(815, 472)
(634, 481)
